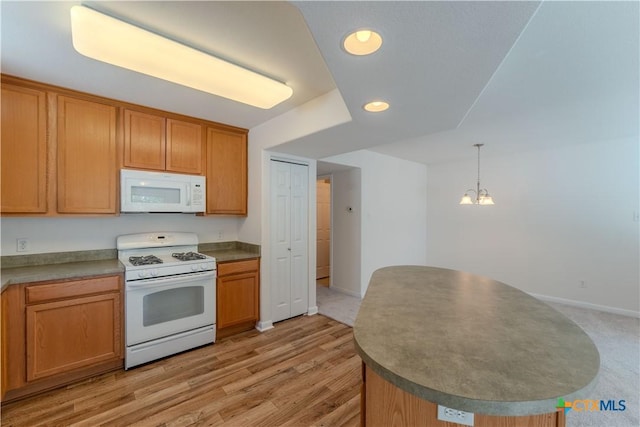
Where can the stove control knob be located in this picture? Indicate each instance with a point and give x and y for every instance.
(142, 274)
(154, 273)
(194, 267)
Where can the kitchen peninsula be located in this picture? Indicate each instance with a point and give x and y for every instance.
(431, 336)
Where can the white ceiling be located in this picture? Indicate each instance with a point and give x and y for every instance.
(516, 76)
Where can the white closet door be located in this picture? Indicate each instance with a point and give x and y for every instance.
(281, 240)
(289, 240)
(299, 239)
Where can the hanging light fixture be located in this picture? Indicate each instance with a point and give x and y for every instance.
(482, 196)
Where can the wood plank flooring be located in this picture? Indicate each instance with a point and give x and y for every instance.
(304, 372)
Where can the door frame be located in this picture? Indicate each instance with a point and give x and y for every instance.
(330, 178)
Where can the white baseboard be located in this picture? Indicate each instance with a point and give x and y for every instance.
(582, 304)
(264, 326)
(345, 291)
(312, 310)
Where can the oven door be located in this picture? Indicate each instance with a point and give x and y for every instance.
(164, 306)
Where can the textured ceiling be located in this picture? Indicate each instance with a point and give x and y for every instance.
(271, 38)
(516, 76)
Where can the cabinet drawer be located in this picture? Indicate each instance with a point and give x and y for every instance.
(224, 269)
(72, 289)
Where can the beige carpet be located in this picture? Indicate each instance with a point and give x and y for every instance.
(617, 338)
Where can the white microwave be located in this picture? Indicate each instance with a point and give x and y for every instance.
(144, 191)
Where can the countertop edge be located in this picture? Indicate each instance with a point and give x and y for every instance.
(99, 267)
(485, 407)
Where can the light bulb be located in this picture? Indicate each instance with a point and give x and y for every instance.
(363, 35)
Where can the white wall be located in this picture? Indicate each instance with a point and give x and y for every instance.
(320, 113)
(561, 216)
(86, 233)
(394, 211)
(346, 229)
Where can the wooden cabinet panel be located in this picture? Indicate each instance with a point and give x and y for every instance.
(158, 143)
(226, 172)
(238, 299)
(384, 404)
(13, 345)
(238, 296)
(144, 140)
(54, 333)
(76, 288)
(184, 147)
(24, 150)
(86, 157)
(66, 335)
(235, 267)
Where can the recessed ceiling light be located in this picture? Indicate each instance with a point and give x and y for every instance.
(376, 106)
(362, 42)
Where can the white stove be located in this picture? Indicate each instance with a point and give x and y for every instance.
(170, 298)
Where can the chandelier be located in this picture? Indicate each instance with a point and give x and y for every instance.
(482, 196)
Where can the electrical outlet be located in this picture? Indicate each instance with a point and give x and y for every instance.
(22, 245)
(220, 234)
(582, 284)
(455, 416)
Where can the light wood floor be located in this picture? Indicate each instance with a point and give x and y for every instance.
(304, 372)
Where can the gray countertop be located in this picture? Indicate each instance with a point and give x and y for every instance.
(70, 265)
(68, 270)
(472, 343)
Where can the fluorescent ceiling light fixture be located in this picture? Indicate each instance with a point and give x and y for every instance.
(376, 106)
(109, 40)
(362, 42)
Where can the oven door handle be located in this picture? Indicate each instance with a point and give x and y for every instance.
(162, 281)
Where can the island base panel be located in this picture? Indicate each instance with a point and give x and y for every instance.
(386, 405)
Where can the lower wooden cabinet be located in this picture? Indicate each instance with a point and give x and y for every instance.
(237, 296)
(58, 332)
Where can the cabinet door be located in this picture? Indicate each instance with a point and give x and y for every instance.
(71, 334)
(184, 147)
(226, 172)
(24, 150)
(144, 140)
(237, 299)
(87, 168)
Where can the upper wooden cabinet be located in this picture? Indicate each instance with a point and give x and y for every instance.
(226, 172)
(61, 151)
(87, 157)
(144, 140)
(159, 143)
(24, 150)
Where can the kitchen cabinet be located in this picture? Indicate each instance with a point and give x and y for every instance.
(238, 296)
(160, 143)
(61, 151)
(226, 172)
(24, 150)
(60, 332)
(86, 157)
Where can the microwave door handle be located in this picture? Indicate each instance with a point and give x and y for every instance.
(188, 195)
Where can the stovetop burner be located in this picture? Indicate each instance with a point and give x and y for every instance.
(188, 256)
(145, 260)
